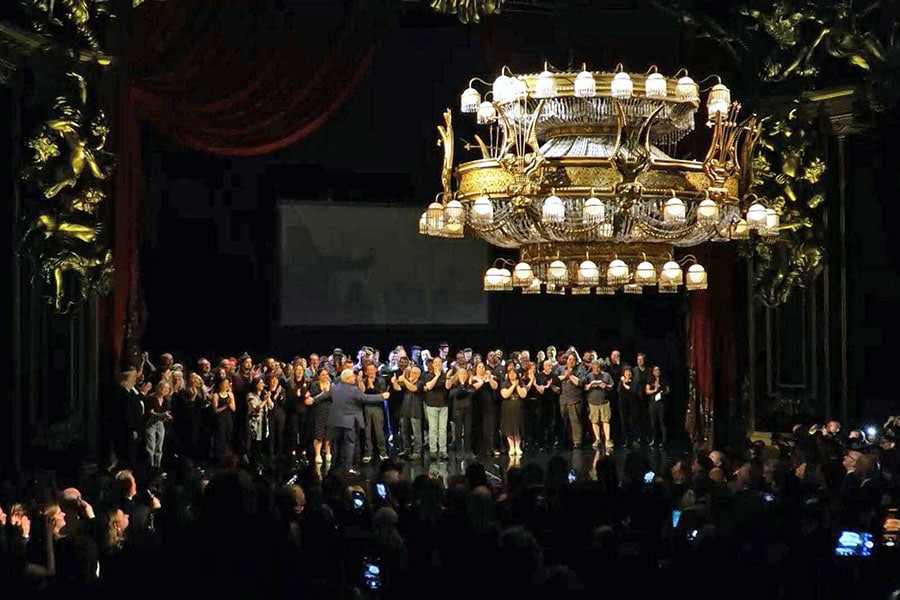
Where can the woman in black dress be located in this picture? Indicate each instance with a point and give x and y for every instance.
(511, 393)
(321, 434)
(277, 416)
(295, 413)
(486, 405)
(188, 411)
(656, 391)
(223, 407)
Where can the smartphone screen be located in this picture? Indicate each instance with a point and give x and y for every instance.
(381, 490)
(676, 516)
(372, 573)
(359, 501)
(854, 544)
(572, 476)
(890, 529)
(648, 476)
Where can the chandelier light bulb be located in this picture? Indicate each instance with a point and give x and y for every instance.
(423, 224)
(633, 288)
(605, 290)
(696, 278)
(503, 89)
(686, 90)
(545, 86)
(756, 216)
(708, 212)
(719, 101)
(655, 86)
(553, 210)
(593, 211)
(454, 211)
(519, 90)
(435, 218)
(469, 100)
(605, 231)
(617, 272)
(483, 211)
(674, 210)
(588, 273)
(486, 113)
(523, 275)
(505, 279)
(492, 279)
(558, 274)
(645, 273)
(621, 86)
(671, 275)
(585, 85)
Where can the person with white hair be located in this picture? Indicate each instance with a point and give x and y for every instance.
(345, 416)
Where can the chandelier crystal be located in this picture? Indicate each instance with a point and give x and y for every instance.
(572, 161)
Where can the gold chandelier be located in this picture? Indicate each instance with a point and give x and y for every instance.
(582, 169)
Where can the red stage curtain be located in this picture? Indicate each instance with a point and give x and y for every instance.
(228, 79)
(712, 342)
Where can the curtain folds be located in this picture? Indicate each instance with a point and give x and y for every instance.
(711, 335)
(229, 79)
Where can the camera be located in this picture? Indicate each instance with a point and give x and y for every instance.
(372, 573)
(359, 500)
(856, 544)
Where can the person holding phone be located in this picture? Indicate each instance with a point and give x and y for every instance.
(656, 390)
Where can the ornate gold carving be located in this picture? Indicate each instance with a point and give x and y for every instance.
(446, 141)
(77, 22)
(67, 167)
(468, 11)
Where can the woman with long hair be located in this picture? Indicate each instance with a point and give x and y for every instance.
(321, 433)
(512, 393)
(223, 406)
(187, 407)
(159, 412)
(656, 390)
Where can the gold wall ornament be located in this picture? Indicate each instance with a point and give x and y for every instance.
(468, 11)
(445, 140)
(75, 22)
(66, 168)
(788, 169)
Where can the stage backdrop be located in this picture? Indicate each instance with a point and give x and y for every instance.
(351, 264)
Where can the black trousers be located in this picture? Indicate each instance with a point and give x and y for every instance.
(534, 422)
(552, 419)
(657, 413)
(462, 427)
(343, 444)
(630, 419)
(375, 428)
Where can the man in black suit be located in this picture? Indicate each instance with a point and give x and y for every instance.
(346, 416)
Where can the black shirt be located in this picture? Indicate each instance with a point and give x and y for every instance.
(437, 396)
(462, 394)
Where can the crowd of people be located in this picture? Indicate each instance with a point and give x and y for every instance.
(434, 403)
(771, 521)
(270, 504)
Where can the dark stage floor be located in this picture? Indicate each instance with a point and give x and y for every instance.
(581, 460)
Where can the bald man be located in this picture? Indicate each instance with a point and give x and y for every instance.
(346, 416)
